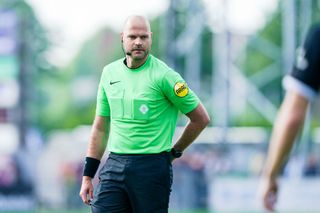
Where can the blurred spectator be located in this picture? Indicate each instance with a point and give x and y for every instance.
(12, 181)
(312, 167)
(8, 173)
(189, 190)
(72, 175)
(302, 87)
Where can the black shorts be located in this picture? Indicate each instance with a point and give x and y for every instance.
(134, 183)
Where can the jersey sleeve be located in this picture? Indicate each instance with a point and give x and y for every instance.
(305, 76)
(102, 108)
(178, 92)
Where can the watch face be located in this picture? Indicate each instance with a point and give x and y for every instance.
(176, 153)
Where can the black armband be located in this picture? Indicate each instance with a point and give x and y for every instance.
(91, 166)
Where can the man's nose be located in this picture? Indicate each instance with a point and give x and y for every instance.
(138, 42)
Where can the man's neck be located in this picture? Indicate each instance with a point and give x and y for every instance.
(132, 64)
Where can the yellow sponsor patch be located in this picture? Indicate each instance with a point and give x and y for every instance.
(181, 89)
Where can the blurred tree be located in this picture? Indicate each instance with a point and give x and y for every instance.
(72, 89)
(256, 62)
(258, 66)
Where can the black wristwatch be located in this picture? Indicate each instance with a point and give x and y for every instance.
(176, 153)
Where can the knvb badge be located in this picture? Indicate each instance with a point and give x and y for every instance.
(144, 109)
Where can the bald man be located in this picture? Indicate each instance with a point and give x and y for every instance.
(138, 101)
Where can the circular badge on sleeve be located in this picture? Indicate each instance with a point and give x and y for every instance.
(181, 89)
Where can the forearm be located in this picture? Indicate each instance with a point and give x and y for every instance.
(287, 126)
(199, 119)
(190, 133)
(98, 139)
(97, 144)
(280, 146)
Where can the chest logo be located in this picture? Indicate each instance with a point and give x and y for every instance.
(114, 82)
(181, 89)
(144, 109)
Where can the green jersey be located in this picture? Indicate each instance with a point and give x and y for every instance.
(143, 104)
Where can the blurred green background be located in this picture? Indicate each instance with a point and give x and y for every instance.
(233, 55)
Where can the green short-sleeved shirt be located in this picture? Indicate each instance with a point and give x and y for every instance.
(143, 104)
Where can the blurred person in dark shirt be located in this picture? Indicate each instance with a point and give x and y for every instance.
(302, 85)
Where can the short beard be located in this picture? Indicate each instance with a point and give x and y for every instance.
(145, 54)
(129, 53)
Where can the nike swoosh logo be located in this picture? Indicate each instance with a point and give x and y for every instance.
(114, 82)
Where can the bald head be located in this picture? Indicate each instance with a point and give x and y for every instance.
(136, 21)
(136, 38)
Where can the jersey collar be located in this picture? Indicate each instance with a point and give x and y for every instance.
(145, 64)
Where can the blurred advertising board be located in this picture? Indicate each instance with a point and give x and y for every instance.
(231, 194)
(9, 93)
(9, 140)
(9, 63)
(8, 32)
(9, 67)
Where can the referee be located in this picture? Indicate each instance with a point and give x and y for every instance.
(138, 101)
(302, 86)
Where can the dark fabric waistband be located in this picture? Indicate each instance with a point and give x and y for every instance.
(132, 155)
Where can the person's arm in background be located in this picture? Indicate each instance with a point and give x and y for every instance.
(287, 126)
(199, 119)
(97, 145)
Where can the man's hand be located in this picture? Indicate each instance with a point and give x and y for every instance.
(269, 193)
(86, 191)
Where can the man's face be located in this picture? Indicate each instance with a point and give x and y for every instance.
(137, 40)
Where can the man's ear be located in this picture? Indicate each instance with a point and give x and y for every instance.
(121, 37)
